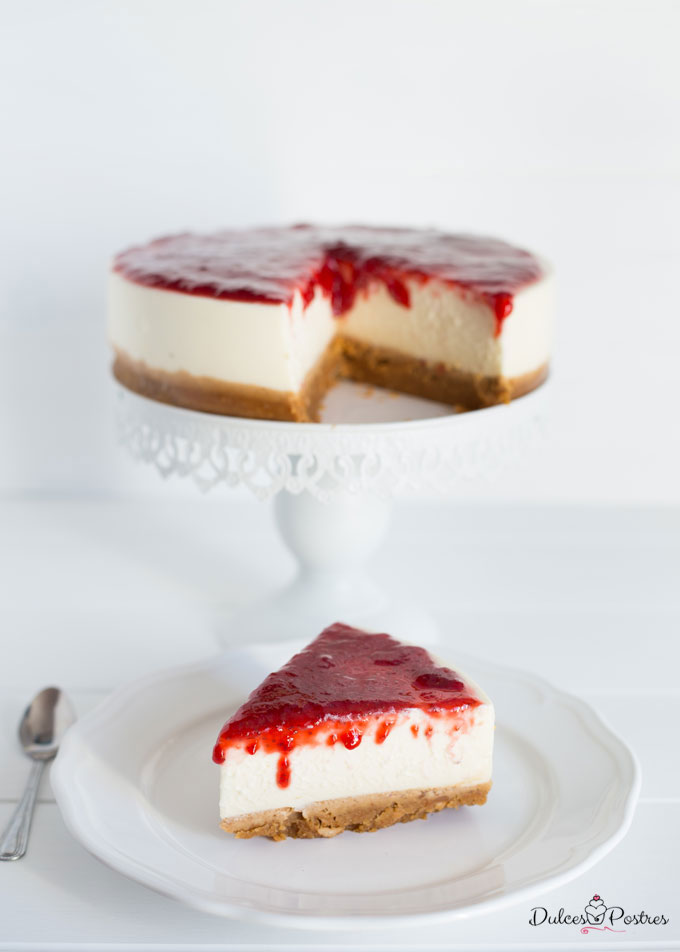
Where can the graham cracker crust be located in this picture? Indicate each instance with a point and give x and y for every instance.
(209, 395)
(345, 357)
(393, 370)
(363, 814)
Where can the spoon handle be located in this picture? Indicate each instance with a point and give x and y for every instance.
(14, 839)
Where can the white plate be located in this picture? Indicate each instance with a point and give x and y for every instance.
(136, 785)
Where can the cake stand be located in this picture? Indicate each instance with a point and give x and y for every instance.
(332, 485)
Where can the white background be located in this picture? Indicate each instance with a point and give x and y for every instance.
(553, 124)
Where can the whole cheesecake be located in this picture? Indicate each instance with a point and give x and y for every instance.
(356, 732)
(261, 322)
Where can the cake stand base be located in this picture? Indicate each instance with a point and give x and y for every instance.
(312, 602)
(332, 542)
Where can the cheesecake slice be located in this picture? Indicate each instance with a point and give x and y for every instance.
(261, 322)
(356, 732)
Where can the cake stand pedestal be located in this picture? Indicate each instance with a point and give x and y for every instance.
(332, 484)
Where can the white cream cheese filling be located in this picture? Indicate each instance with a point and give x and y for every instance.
(403, 761)
(275, 346)
(265, 345)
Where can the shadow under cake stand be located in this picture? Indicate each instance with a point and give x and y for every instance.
(333, 484)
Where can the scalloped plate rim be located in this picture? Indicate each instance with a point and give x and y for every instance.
(86, 833)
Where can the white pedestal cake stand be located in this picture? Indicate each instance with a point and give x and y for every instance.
(332, 485)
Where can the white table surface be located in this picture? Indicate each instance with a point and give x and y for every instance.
(94, 592)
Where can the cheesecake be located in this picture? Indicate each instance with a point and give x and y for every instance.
(261, 322)
(356, 732)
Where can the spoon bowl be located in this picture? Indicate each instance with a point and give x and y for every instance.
(45, 720)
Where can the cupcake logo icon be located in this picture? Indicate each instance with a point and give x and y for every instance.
(596, 911)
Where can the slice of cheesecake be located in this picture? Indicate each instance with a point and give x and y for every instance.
(356, 732)
(261, 322)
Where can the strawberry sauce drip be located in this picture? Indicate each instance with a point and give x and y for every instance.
(383, 731)
(283, 771)
(351, 738)
(270, 264)
(344, 685)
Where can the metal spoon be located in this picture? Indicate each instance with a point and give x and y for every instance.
(41, 728)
